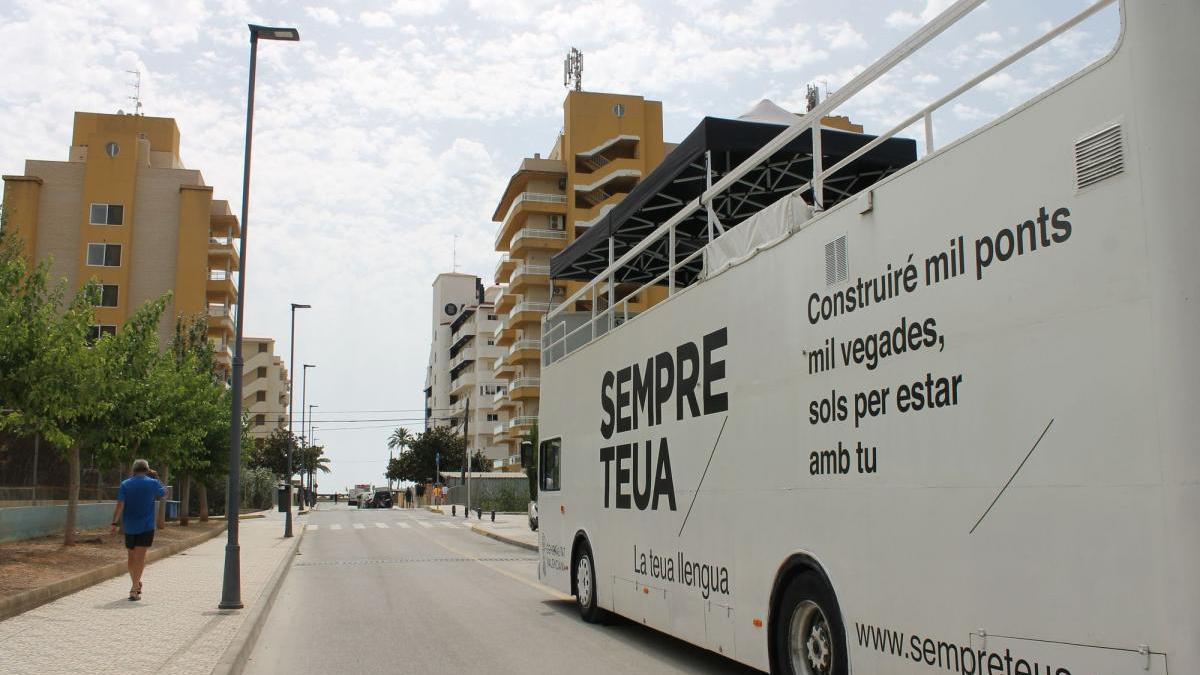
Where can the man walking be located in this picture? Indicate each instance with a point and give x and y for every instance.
(136, 504)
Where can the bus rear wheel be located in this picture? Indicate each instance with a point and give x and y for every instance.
(585, 586)
(809, 636)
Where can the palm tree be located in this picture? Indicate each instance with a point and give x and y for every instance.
(400, 439)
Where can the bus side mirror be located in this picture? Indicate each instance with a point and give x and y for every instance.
(526, 453)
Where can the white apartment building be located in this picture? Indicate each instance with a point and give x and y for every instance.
(264, 386)
(462, 356)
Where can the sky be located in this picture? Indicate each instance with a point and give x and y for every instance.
(384, 137)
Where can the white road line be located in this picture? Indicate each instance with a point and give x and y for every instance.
(383, 525)
(359, 526)
(424, 524)
(404, 525)
(335, 527)
(313, 527)
(447, 524)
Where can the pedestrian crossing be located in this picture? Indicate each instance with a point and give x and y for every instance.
(398, 525)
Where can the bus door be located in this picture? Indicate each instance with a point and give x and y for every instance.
(551, 513)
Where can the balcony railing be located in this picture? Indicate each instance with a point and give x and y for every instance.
(522, 421)
(539, 197)
(535, 233)
(526, 382)
(525, 344)
(533, 270)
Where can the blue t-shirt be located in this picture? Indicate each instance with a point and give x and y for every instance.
(139, 494)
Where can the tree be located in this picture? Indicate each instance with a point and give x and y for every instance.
(52, 383)
(531, 462)
(400, 439)
(419, 464)
(272, 452)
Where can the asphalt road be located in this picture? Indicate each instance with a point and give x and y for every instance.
(415, 592)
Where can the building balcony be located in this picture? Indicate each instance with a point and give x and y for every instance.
(527, 312)
(504, 371)
(504, 268)
(222, 254)
(221, 288)
(522, 423)
(524, 275)
(525, 387)
(534, 239)
(596, 191)
(505, 302)
(615, 149)
(531, 169)
(632, 166)
(500, 432)
(220, 320)
(505, 336)
(525, 204)
(524, 350)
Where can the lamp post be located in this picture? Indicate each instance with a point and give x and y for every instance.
(303, 399)
(287, 521)
(231, 586)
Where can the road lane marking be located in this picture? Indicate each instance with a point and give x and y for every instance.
(447, 524)
(335, 527)
(383, 525)
(313, 527)
(404, 525)
(538, 586)
(424, 524)
(359, 526)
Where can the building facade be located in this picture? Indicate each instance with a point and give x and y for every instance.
(123, 210)
(462, 357)
(264, 387)
(607, 144)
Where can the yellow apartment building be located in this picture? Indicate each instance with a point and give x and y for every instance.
(264, 387)
(123, 209)
(607, 144)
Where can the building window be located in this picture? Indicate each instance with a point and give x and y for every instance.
(104, 255)
(260, 396)
(94, 332)
(108, 295)
(493, 417)
(262, 348)
(491, 343)
(492, 317)
(107, 214)
(619, 109)
(550, 465)
(262, 371)
(260, 420)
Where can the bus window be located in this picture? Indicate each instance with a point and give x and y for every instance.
(550, 462)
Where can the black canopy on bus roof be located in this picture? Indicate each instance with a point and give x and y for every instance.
(681, 177)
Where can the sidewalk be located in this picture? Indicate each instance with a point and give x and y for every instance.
(176, 626)
(510, 528)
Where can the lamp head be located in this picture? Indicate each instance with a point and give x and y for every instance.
(274, 33)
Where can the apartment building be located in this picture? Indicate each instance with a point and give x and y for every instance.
(462, 357)
(123, 209)
(264, 387)
(607, 144)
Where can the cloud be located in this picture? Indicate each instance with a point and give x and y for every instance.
(842, 35)
(376, 19)
(904, 19)
(324, 15)
(991, 37)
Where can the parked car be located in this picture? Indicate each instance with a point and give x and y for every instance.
(380, 499)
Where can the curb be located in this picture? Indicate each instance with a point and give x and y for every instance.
(233, 660)
(23, 602)
(499, 537)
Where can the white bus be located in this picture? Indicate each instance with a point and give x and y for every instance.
(948, 423)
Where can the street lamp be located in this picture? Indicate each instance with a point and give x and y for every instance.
(287, 521)
(303, 399)
(231, 586)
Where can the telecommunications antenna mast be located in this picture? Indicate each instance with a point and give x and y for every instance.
(573, 70)
(137, 91)
(454, 253)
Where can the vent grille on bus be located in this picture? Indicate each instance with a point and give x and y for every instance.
(1099, 156)
(835, 261)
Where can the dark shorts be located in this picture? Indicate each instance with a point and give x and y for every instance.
(140, 539)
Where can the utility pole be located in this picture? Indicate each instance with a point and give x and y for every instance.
(467, 452)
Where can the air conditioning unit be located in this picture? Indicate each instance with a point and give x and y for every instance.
(557, 221)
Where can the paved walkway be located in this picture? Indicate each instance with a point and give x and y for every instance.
(509, 527)
(175, 628)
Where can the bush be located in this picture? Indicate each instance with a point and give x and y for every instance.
(510, 501)
(258, 488)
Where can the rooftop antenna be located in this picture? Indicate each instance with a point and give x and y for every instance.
(137, 91)
(812, 95)
(454, 254)
(573, 70)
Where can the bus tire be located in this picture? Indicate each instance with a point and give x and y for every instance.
(585, 585)
(808, 636)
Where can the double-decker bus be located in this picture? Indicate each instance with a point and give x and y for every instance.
(934, 415)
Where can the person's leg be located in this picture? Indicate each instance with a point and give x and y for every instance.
(137, 563)
(130, 564)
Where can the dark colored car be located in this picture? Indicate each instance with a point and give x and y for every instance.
(382, 499)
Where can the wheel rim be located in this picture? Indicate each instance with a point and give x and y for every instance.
(810, 643)
(583, 581)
